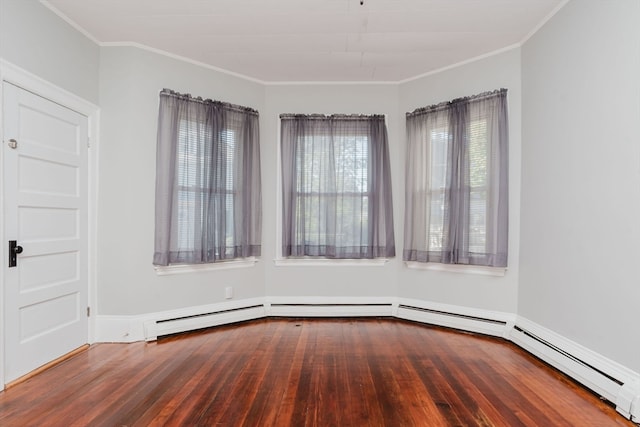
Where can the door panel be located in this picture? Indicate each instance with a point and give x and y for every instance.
(45, 209)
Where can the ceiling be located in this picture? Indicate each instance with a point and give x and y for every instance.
(313, 40)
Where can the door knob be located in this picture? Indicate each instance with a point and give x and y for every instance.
(14, 250)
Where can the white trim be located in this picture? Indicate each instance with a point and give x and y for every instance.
(142, 46)
(335, 83)
(457, 268)
(15, 75)
(326, 262)
(544, 21)
(93, 161)
(126, 329)
(120, 329)
(3, 255)
(582, 364)
(203, 317)
(488, 322)
(132, 328)
(41, 87)
(183, 59)
(162, 270)
(492, 53)
(628, 400)
(318, 306)
(207, 308)
(278, 239)
(462, 63)
(69, 21)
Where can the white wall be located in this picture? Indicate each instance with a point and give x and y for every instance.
(35, 39)
(581, 177)
(130, 81)
(360, 281)
(470, 290)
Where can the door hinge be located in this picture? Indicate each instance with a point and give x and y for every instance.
(88, 311)
(88, 142)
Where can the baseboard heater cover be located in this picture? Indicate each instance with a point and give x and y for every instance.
(330, 309)
(627, 398)
(330, 305)
(457, 315)
(567, 354)
(459, 321)
(157, 328)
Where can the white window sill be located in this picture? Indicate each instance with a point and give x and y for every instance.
(324, 262)
(196, 268)
(466, 269)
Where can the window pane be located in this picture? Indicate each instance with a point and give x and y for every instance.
(352, 164)
(332, 183)
(477, 221)
(352, 220)
(436, 225)
(478, 153)
(438, 150)
(186, 219)
(439, 147)
(478, 182)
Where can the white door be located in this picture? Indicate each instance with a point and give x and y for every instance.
(45, 213)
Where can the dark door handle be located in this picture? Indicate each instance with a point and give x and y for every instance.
(14, 250)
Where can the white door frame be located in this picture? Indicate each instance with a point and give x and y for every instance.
(32, 83)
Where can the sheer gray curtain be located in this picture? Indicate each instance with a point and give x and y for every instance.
(336, 185)
(456, 201)
(208, 191)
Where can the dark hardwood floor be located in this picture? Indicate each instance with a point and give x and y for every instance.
(310, 372)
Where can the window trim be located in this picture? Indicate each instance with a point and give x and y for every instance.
(171, 269)
(479, 270)
(328, 262)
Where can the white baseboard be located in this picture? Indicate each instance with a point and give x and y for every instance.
(486, 322)
(119, 329)
(126, 329)
(607, 378)
(330, 306)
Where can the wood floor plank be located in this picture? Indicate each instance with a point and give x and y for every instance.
(306, 372)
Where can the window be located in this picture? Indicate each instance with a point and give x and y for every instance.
(456, 204)
(208, 196)
(336, 187)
